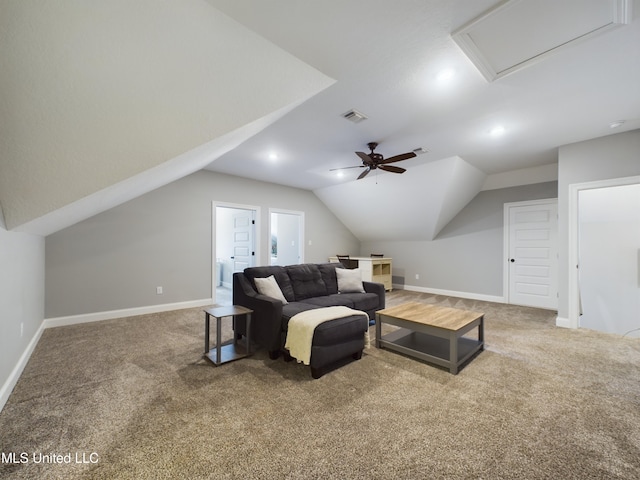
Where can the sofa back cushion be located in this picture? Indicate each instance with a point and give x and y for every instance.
(306, 281)
(328, 272)
(280, 274)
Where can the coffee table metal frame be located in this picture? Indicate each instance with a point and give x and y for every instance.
(233, 349)
(439, 345)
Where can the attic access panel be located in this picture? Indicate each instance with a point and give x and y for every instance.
(517, 33)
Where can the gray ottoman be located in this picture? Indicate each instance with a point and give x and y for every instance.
(335, 342)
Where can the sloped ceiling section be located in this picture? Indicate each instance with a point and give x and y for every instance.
(94, 93)
(378, 207)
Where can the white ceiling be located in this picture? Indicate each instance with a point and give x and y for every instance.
(386, 57)
(104, 101)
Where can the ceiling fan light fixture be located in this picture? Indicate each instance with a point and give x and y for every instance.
(420, 150)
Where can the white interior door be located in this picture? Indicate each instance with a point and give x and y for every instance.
(243, 248)
(532, 264)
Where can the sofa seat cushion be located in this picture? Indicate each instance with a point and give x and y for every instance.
(336, 300)
(340, 330)
(362, 301)
(293, 308)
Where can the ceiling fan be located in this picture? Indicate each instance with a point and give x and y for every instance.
(372, 161)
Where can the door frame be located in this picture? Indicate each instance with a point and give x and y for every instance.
(574, 247)
(506, 241)
(256, 237)
(300, 233)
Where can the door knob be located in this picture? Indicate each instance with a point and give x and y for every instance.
(513, 260)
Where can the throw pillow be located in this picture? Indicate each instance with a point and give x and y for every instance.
(349, 281)
(269, 287)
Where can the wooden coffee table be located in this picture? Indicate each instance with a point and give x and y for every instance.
(431, 333)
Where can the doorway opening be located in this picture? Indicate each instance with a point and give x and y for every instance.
(609, 259)
(235, 246)
(287, 237)
(576, 277)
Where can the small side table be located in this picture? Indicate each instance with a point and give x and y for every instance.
(231, 350)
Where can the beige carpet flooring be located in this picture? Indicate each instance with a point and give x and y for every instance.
(135, 397)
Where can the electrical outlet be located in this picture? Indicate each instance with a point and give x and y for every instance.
(158, 290)
(310, 243)
(21, 329)
(417, 276)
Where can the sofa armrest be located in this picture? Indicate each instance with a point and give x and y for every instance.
(378, 289)
(266, 320)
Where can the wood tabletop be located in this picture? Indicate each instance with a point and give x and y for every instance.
(441, 317)
(227, 310)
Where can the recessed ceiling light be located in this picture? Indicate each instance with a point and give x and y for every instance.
(616, 124)
(445, 75)
(273, 156)
(339, 174)
(497, 131)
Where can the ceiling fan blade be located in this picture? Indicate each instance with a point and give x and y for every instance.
(365, 158)
(398, 158)
(364, 174)
(345, 168)
(391, 168)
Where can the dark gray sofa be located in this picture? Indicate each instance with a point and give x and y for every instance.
(306, 286)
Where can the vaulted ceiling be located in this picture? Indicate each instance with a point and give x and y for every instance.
(103, 101)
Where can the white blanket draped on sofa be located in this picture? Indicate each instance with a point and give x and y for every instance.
(302, 325)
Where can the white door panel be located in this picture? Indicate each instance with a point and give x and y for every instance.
(242, 240)
(533, 259)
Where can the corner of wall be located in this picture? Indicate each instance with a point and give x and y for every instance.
(2, 224)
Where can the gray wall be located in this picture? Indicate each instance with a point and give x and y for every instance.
(21, 298)
(613, 156)
(116, 259)
(467, 255)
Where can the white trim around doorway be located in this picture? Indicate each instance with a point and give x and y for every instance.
(573, 258)
(301, 233)
(256, 237)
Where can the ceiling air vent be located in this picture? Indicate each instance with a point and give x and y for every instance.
(354, 116)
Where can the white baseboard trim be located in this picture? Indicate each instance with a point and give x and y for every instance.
(8, 386)
(126, 312)
(563, 322)
(452, 293)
